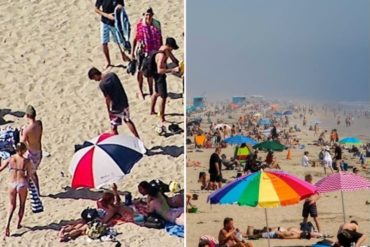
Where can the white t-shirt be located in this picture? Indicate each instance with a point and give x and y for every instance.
(327, 157)
(305, 161)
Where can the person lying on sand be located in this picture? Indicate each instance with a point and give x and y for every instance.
(78, 227)
(111, 205)
(281, 233)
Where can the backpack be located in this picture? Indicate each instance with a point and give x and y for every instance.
(149, 67)
(307, 227)
(321, 155)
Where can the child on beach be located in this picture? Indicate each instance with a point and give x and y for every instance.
(309, 206)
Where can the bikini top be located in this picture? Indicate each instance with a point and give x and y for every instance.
(15, 168)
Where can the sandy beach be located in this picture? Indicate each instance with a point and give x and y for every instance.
(208, 220)
(47, 49)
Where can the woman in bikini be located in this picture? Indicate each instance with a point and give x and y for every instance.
(20, 170)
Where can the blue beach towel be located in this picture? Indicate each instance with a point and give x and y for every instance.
(175, 230)
(122, 24)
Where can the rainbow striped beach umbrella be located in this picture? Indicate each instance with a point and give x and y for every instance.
(266, 189)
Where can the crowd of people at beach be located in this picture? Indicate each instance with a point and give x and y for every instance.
(331, 155)
(147, 56)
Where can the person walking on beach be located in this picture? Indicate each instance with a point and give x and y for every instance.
(160, 58)
(309, 206)
(115, 99)
(327, 160)
(20, 170)
(215, 170)
(31, 135)
(105, 8)
(148, 39)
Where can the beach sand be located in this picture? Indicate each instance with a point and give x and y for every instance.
(47, 49)
(209, 219)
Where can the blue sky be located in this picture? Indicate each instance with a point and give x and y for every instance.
(314, 49)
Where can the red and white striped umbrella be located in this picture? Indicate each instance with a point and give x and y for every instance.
(105, 159)
(342, 181)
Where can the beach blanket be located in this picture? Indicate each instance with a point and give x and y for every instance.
(122, 24)
(4, 155)
(36, 203)
(175, 230)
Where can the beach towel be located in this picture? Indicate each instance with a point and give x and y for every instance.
(122, 24)
(8, 139)
(36, 203)
(175, 230)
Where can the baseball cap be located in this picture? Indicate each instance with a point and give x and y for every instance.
(30, 111)
(172, 43)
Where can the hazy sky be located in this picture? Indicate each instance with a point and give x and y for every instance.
(317, 49)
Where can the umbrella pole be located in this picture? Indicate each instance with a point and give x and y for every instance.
(267, 225)
(344, 213)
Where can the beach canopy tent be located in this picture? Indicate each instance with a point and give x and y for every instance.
(265, 189)
(105, 160)
(342, 181)
(238, 100)
(190, 109)
(350, 141)
(270, 146)
(198, 102)
(264, 121)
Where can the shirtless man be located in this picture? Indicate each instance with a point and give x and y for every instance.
(348, 234)
(164, 52)
(228, 235)
(31, 135)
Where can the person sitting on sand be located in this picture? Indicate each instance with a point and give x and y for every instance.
(20, 170)
(111, 205)
(230, 236)
(177, 201)
(115, 99)
(348, 234)
(229, 164)
(157, 204)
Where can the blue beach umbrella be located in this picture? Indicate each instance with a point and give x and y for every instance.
(240, 139)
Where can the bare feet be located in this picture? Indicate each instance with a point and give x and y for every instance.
(107, 66)
(140, 95)
(19, 226)
(7, 233)
(125, 58)
(153, 113)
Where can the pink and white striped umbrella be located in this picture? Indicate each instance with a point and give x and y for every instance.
(342, 181)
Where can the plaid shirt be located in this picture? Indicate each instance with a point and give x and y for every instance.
(149, 35)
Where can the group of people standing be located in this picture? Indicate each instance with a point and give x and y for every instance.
(148, 55)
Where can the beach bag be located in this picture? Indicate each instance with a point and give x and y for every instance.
(153, 221)
(160, 185)
(174, 128)
(96, 229)
(149, 65)
(36, 203)
(321, 155)
(89, 214)
(307, 227)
